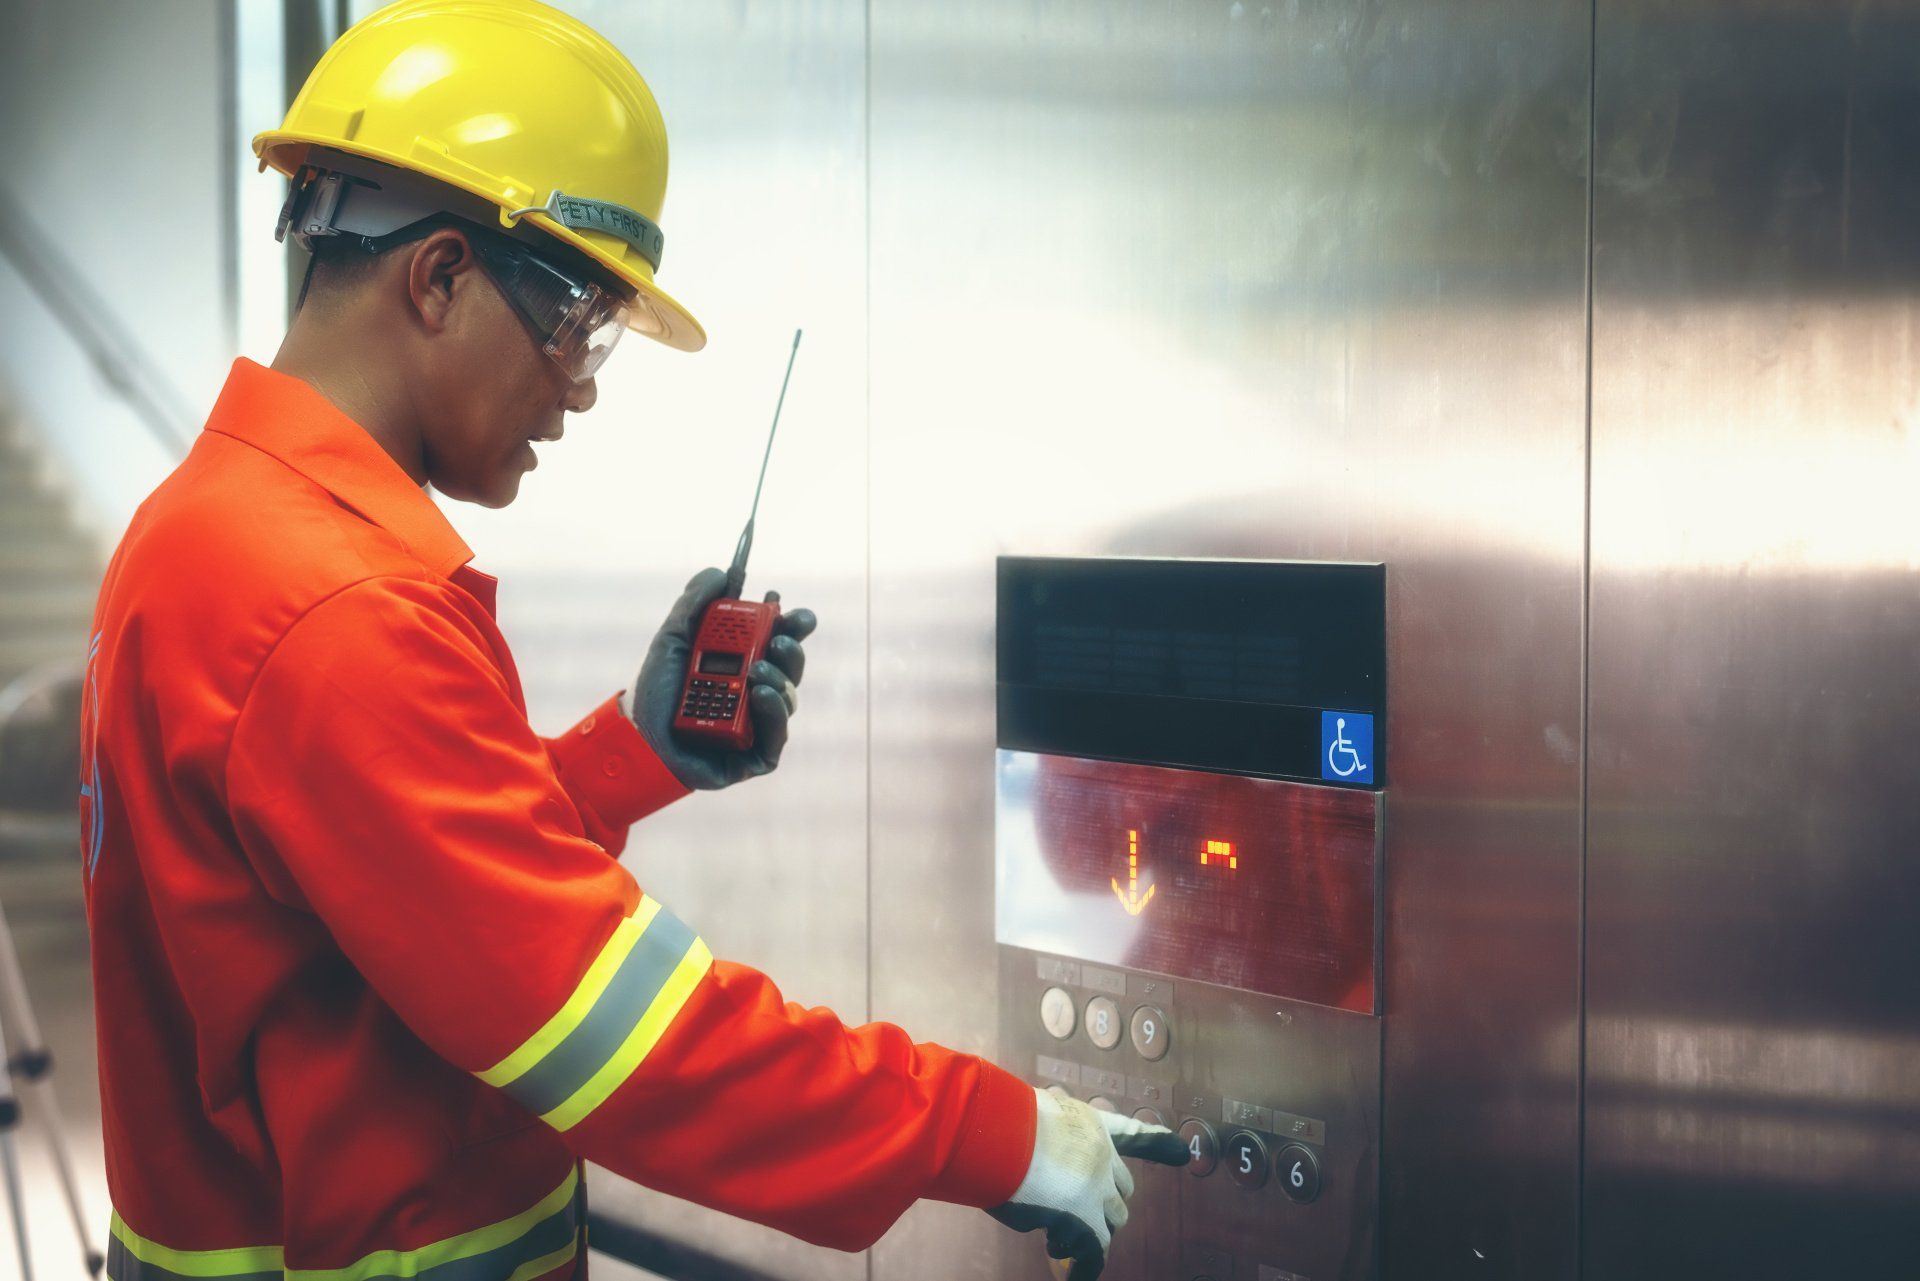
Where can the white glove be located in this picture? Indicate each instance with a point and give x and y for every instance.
(1076, 1185)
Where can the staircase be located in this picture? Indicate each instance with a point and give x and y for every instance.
(49, 575)
(50, 570)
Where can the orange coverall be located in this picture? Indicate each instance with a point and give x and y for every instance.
(369, 982)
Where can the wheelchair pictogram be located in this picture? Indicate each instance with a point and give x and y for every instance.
(1342, 748)
(1346, 744)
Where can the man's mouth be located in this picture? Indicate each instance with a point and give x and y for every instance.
(551, 433)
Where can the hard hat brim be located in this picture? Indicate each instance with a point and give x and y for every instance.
(655, 312)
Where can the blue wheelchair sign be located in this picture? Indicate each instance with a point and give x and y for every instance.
(1346, 747)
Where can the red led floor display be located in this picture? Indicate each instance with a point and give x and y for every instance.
(1249, 883)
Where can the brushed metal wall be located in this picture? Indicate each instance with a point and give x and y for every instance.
(1270, 280)
(1308, 278)
(1753, 962)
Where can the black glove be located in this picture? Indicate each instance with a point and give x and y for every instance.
(1076, 1187)
(771, 690)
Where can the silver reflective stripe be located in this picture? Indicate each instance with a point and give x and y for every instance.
(629, 995)
(583, 213)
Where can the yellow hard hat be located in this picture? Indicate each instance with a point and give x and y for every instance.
(514, 102)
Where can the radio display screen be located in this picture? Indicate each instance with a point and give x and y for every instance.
(719, 664)
(1259, 884)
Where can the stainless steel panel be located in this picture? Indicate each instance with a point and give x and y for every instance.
(1223, 1045)
(765, 231)
(1218, 1046)
(1753, 1063)
(1276, 279)
(1109, 861)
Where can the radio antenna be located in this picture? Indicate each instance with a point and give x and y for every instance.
(737, 572)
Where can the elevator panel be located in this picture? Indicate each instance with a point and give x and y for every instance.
(1199, 947)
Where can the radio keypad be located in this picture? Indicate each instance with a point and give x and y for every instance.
(711, 700)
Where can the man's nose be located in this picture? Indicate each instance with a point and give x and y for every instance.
(580, 396)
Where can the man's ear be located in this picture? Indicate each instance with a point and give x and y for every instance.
(438, 267)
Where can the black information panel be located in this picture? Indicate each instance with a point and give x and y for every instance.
(1253, 667)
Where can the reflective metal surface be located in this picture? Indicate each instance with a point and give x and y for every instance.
(1286, 1087)
(1307, 279)
(1274, 279)
(1271, 279)
(1222, 1049)
(1129, 865)
(1753, 973)
(765, 232)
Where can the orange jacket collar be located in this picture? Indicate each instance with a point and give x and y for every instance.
(283, 416)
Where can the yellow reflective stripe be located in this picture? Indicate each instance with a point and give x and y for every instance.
(598, 975)
(640, 1042)
(539, 1267)
(468, 1255)
(406, 1263)
(198, 1263)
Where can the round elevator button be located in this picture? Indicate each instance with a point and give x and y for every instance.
(1103, 1022)
(1202, 1147)
(1246, 1158)
(1150, 1116)
(1102, 1102)
(1149, 1032)
(1299, 1173)
(1057, 1013)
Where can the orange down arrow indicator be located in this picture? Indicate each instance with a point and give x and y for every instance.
(1131, 898)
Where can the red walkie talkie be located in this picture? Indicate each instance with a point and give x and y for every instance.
(733, 635)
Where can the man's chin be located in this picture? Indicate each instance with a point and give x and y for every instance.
(496, 491)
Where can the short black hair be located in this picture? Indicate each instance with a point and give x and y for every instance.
(340, 262)
(338, 265)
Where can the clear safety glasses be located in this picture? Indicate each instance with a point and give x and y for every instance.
(575, 321)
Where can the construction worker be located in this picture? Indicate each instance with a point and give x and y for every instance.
(370, 984)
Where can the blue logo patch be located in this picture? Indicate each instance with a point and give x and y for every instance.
(1346, 747)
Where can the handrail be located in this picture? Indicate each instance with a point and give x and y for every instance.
(664, 1256)
(118, 357)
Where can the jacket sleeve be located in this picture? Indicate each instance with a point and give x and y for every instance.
(611, 773)
(381, 777)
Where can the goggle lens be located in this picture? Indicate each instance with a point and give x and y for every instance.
(587, 335)
(577, 322)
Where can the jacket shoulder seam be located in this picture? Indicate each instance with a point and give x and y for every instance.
(253, 680)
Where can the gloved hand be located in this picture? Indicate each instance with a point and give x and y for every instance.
(771, 690)
(1077, 1186)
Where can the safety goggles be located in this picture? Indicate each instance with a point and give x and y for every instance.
(575, 321)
